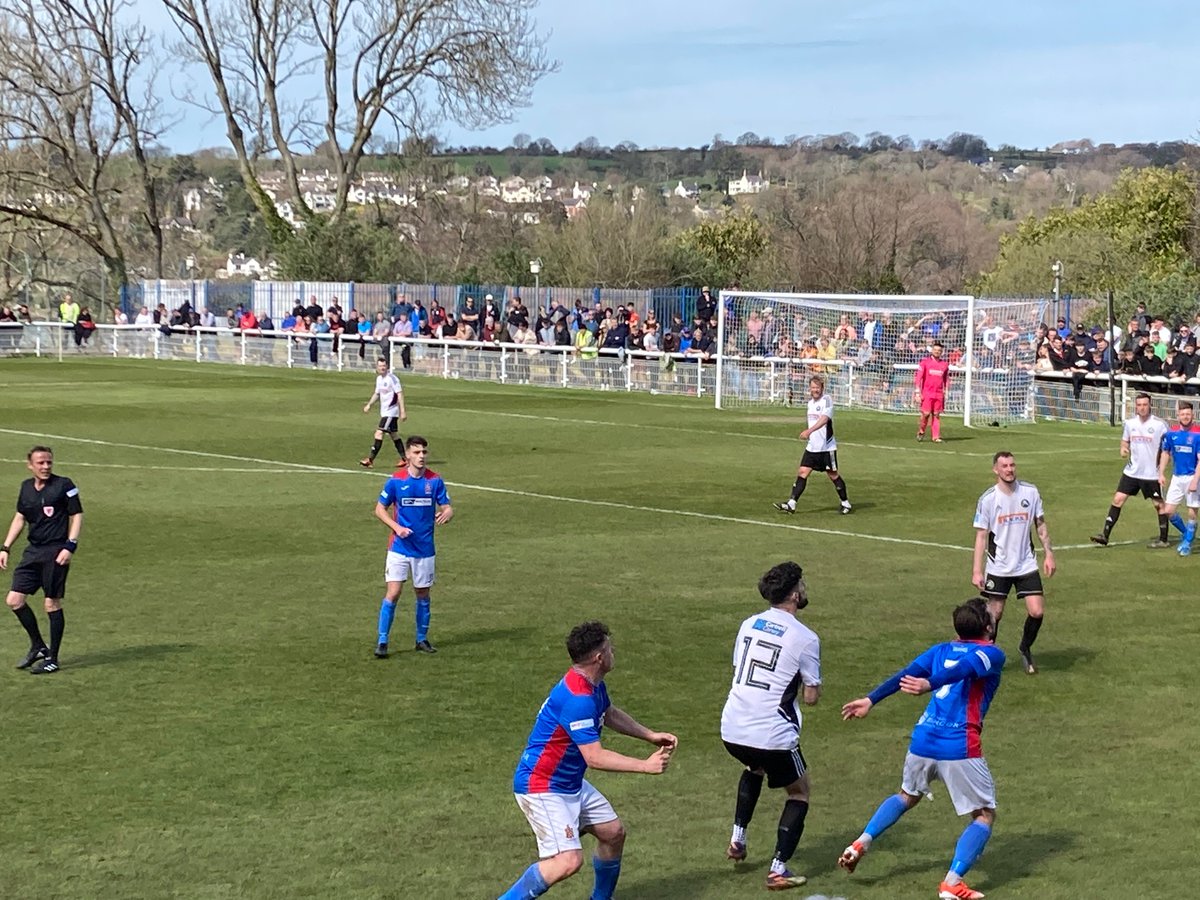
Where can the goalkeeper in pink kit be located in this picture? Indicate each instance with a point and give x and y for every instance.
(932, 374)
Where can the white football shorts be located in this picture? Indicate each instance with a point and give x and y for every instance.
(399, 567)
(1177, 492)
(557, 819)
(968, 781)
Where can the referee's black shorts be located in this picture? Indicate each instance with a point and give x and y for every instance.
(46, 576)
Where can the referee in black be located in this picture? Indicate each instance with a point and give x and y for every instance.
(49, 505)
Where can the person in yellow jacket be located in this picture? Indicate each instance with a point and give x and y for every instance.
(68, 310)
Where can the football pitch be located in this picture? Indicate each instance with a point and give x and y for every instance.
(220, 729)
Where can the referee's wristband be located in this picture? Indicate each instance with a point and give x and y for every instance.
(5, 548)
(72, 546)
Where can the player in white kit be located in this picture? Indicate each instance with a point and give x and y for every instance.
(776, 665)
(1140, 441)
(391, 413)
(1007, 515)
(820, 451)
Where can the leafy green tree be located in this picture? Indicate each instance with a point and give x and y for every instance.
(723, 250)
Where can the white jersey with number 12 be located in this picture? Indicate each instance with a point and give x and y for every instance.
(774, 657)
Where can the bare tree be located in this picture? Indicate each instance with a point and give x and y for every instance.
(76, 127)
(409, 64)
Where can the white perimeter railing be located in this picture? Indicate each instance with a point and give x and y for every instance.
(1056, 396)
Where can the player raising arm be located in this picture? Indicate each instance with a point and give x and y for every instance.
(549, 785)
(963, 676)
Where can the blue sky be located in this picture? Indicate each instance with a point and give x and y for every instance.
(674, 73)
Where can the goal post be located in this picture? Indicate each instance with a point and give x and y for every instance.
(867, 346)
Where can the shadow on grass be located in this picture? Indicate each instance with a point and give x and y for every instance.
(1063, 659)
(119, 655)
(1011, 856)
(488, 635)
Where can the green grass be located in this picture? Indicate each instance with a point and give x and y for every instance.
(219, 729)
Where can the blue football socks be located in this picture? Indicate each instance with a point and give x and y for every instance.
(888, 814)
(387, 612)
(422, 619)
(1177, 521)
(970, 846)
(529, 885)
(607, 872)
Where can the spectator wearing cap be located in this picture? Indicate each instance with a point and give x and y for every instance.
(1062, 328)
(490, 309)
(706, 305)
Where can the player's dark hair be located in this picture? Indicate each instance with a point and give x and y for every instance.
(1185, 404)
(972, 620)
(939, 344)
(1001, 454)
(38, 449)
(1143, 396)
(381, 360)
(586, 639)
(779, 582)
(415, 440)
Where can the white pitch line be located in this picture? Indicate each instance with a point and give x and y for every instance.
(223, 469)
(571, 420)
(611, 504)
(1091, 546)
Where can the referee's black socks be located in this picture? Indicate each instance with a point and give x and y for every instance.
(57, 624)
(1033, 624)
(29, 622)
(791, 826)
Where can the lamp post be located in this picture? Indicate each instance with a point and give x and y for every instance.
(535, 267)
(1057, 269)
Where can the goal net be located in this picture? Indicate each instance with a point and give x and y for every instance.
(867, 347)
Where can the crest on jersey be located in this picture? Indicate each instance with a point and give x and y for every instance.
(570, 832)
(48, 511)
(428, 488)
(1024, 504)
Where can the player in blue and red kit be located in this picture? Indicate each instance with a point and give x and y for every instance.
(1181, 445)
(963, 675)
(549, 784)
(413, 500)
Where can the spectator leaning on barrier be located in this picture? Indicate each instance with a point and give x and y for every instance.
(68, 310)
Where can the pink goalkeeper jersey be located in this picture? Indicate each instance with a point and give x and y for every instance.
(932, 375)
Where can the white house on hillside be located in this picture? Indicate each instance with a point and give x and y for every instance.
(238, 265)
(748, 184)
(687, 191)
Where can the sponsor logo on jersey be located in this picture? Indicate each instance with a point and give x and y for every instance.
(1009, 518)
(770, 627)
(950, 663)
(580, 724)
(416, 501)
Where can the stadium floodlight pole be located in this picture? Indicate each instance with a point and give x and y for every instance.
(535, 267)
(1057, 269)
